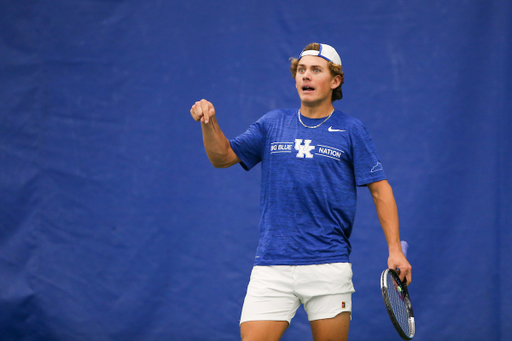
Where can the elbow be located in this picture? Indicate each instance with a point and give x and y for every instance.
(380, 189)
(224, 159)
(218, 164)
(222, 162)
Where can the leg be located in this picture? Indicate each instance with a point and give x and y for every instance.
(329, 306)
(263, 330)
(269, 304)
(333, 329)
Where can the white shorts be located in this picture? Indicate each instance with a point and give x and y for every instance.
(275, 292)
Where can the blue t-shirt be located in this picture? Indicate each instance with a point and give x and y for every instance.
(308, 185)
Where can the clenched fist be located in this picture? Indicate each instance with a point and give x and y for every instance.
(202, 111)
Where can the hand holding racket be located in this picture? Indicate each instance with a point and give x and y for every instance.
(397, 301)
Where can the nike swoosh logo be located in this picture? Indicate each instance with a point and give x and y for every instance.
(333, 130)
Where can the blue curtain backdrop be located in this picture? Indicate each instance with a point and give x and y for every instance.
(113, 224)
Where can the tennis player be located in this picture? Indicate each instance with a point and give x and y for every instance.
(312, 159)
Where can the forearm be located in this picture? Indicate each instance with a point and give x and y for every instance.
(217, 146)
(387, 212)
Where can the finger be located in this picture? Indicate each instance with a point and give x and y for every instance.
(195, 111)
(401, 271)
(406, 276)
(206, 111)
(194, 114)
(208, 115)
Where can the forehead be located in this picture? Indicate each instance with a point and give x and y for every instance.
(313, 61)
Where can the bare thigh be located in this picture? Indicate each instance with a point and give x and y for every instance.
(333, 329)
(263, 330)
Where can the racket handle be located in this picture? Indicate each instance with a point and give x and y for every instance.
(405, 246)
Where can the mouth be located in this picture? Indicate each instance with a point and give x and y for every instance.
(307, 88)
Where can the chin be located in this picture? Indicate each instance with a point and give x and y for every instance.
(307, 98)
(309, 101)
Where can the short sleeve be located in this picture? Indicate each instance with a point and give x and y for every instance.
(367, 165)
(249, 146)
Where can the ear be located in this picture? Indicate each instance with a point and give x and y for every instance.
(335, 82)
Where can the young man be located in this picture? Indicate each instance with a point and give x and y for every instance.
(312, 160)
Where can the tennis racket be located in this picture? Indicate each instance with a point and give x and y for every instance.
(397, 301)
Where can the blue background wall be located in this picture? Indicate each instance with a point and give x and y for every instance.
(113, 224)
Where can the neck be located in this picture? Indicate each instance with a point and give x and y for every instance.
(316, 111)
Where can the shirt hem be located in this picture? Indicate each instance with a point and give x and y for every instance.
(301, 262)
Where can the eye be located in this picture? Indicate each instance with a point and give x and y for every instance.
(300, 70)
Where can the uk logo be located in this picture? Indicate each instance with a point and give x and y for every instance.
(304, 150)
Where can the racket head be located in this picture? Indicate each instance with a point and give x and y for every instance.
(398, 304)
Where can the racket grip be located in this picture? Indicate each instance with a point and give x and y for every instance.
(405, 246)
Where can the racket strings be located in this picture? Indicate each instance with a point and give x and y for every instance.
(397, 300)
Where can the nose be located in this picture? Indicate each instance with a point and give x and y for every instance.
(306, 75)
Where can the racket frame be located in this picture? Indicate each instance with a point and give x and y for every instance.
(410, 315)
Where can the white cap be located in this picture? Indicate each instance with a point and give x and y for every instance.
(326, 52)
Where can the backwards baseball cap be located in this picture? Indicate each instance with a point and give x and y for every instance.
(326, 52)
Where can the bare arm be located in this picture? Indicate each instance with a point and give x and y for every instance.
(217, 146)
(387, 212)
